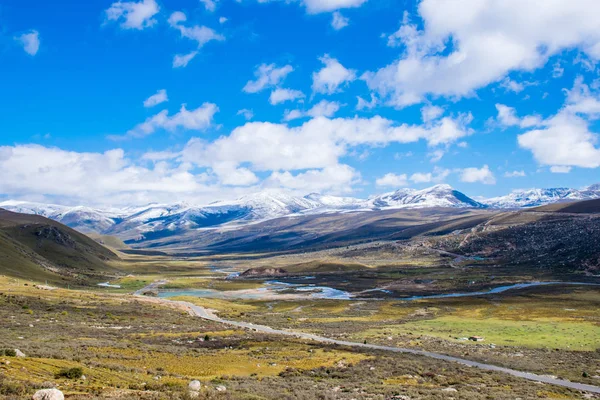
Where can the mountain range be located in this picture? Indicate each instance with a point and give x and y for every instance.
(160, 220)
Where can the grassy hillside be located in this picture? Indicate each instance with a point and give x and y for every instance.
(36, 248)
(578, 207)
(112, 242)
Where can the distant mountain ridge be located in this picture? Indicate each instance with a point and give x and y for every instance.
(540, 197)
(160, 220)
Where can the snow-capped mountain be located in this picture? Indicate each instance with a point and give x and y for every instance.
(539, 197)
(162, 220)
(84, 219)
(436, 196)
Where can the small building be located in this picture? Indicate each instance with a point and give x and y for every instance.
(476, 338)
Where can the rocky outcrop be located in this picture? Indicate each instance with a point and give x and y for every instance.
(259, 272)
(48, 394)
(194, 388)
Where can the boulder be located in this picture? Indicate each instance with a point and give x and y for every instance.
(195, 386)
(19, 353)
(221, 388)
(48, 394)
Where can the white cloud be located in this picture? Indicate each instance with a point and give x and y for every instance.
(267, 76)
(280, 95)
(222, 20)
(30, 42)
(332, 76)
(421, 177)
(199, 119)
(507, 117)
(246, 113)
(392, 180)
(557, 70)
(337, 178)
(468, 44)
(200, 34)
(565, 140)
(436, 155)
(134, 15)
(438, 175)
(560, 169)
(324, 108)
(364, 104)
(290, 115)
(91, 178)
(303, 158)
(316, 144)
(157, 98)
(483, 175)
(182, 60)
(210, 5)
(319, 6)
(338, 21)
(430, 113)
(515, 174)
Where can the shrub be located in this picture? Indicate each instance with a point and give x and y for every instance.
(70, 373)
(10, 353)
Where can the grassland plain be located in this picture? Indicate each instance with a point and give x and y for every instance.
(129, 348)
(548, 330)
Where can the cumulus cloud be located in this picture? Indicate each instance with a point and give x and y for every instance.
(210, 5)
(316, 144)
(246, 113)
(280, 95)
(91, 178)
(199, 34)
(319, 6)
(483, 175)
(182, 60)
(458, 51)
(332, 76)
(303, 158)
(267, 75)
(337, 178)
(431, 113)
(198, 119)
(515, 174)
(438, 175)
(363, 104)
(560, 169)
(157, 98)
(565, 140)
(392, 180)
(507, 117)
(290, 115)
(324, 108)
(30, 42)
(338, 21)
(133, 15)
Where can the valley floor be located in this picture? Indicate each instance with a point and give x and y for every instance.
(140, 348)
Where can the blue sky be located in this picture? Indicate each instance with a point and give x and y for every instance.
(486, 95)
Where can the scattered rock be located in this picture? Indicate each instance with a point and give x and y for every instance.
(220, 388)
(263, 271)
(48, 394)
(19, 353)
(449, 389)
(195, 386)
